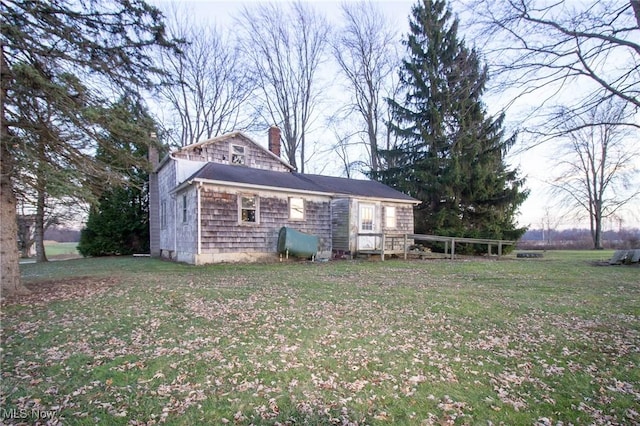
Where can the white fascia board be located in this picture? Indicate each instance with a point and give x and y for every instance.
(260, 187)
(238, 185)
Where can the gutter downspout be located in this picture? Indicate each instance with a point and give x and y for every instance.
(175, 226)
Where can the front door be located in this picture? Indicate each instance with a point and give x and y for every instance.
(367, 225)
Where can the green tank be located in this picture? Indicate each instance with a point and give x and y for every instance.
(297, 243)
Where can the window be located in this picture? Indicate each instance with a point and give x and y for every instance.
(237, 155)
(390, 217)
(296, 208)
(163, 214)
(248, 209)
(366, 217)
(184, 208)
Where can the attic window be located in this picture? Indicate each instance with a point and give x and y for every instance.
(237, 155)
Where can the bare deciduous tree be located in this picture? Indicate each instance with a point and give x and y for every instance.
(548, 224)
(210, 86)
(365, 50)
(597, 169)
(541, 48)
(286, 47)
(344, 149)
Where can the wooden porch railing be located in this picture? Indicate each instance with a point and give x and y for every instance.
(400, 243)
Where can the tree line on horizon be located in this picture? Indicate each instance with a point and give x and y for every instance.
(578, 239)
(76, 125)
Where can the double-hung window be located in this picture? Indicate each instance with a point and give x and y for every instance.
(296, 208)
(248, 206)
(163, 214)
(390, 217)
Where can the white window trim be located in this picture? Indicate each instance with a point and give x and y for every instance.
(257, 209)
(304, 213)
(372, 208)
(387, 216)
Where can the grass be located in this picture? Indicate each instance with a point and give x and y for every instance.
(54, 248)
(141, 341)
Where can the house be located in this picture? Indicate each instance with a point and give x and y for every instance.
(225, 200)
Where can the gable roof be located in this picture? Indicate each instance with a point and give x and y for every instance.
(236, 134)
(357, 187)
(215, 172)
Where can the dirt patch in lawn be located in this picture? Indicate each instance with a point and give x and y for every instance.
(44, 292)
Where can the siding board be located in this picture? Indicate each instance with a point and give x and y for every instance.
(221, 232)
(340, 224)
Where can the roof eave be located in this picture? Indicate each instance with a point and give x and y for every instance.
(374, 198)
(189, 182)
(245, 186)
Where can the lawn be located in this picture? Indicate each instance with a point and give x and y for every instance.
(136, 341)
(54, 248)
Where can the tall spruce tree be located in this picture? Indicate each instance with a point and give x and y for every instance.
(119, 222)
(452, 155)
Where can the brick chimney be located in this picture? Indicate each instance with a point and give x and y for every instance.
(274, 140)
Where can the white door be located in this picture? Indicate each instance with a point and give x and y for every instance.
(367, 225)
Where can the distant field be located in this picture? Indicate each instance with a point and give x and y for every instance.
(473, 341)
(54, 248)
(573, 255)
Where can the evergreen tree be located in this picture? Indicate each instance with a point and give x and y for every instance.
(69, 56)
(119, 222)
(452, 155)
(118, 225)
